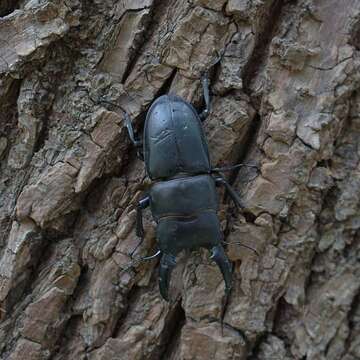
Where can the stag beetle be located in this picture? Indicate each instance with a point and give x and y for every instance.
(182, 197)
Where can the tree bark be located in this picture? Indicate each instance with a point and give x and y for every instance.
(285, 96)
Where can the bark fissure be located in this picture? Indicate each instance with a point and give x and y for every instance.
(263, 40)
(8, 6)
(148, 31)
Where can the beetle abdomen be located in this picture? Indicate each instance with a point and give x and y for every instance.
(184, 197)
(175, 234)
(173, 139)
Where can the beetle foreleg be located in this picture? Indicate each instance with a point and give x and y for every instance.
(205, 85)
(137, 143)
(219, 256)
(130, 129)
(167, 264)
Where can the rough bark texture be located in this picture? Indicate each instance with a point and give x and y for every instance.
(286, 96)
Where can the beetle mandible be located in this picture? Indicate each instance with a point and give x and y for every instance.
(182, 197)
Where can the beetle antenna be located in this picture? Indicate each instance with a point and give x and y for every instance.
(241, 244)
(138, 261)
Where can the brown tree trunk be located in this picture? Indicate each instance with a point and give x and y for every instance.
(285, 96)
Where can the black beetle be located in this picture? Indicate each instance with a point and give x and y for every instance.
(182, 197)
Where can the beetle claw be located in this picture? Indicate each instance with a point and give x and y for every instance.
(167, 264)
(219, 256)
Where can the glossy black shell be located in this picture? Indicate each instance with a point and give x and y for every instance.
(174, 141)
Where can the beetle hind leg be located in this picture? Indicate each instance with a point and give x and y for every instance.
(219, 256)
(167, 264)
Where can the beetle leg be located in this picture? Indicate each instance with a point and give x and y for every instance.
(234, 196)
(167, 264)
(205, 85)
(130, 130)
(219, 256)
(240, 244)
(142, 204)
(139, 260)
(233, 167)
(137, 143)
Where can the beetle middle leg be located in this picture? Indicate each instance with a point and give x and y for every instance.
(167, 264)
(142, 204)
(234, 196)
